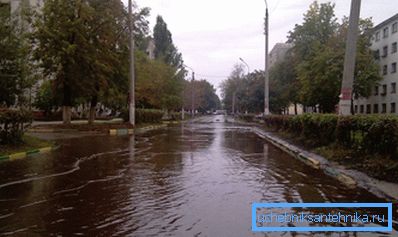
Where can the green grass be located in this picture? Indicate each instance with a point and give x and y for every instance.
(29, 143)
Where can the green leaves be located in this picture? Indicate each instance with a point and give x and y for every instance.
(319, 49)
(372, 134)
(13, 124)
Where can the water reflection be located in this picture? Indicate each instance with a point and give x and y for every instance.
(189, 180)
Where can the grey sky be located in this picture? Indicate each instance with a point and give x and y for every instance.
(213, 34)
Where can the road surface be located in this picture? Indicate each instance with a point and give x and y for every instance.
(194, 179)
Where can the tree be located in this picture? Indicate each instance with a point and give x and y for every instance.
(46, 100)
(164, 46)
(204, 96)
(16, 68)
(318, 53)
(81, 45)
(319, 25)
(230, 87)
(283, 89)
(63, 48)
(157, 86)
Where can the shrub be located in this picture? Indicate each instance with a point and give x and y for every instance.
(371, 133)
(13, 124)
(149, 115)
(144, 115)
(374, 134)
(247, 117)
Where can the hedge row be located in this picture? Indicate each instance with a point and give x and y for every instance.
(375, 134)
(247, 117)
(145, 115)
(13, 124)
(177, 116)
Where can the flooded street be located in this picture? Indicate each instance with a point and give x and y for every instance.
(196, 179)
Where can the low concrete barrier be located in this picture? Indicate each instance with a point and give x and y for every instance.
(307, 158)
(22, 155)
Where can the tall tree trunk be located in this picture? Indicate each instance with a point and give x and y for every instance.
(295, 109)
(67, 104)
(93, 106)
(66, 115)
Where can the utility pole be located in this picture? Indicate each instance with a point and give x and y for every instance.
(248, 73)
(193, 94)
(349, 61)
(132, 66)
(266, 83)
(233, 102)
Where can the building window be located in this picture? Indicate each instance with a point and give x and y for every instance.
(385, 51)
(393, 88)
(377, 36)
(356, 109)
(385, 32)
(368, 109)
(395, 27)
(385, 70)
(384, 91)
(384, 108)
(376, 90)
(393, 67)
(394, 47)
(393, 108)
(361, 109)
(376, 54)
(375, 108)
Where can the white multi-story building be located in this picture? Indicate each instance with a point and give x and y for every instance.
(278, 53)
(384, 98)
(15, 4)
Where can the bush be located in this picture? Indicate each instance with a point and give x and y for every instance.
(144, 115)
(374, 134)
(13, 124)
(247, 117)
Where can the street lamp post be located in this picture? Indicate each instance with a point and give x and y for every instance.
(247, 65)
(266, 83)
(193, 92)
(132, 73)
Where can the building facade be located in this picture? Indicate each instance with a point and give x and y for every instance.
(278, 53)
(15, 4)
(384, 97)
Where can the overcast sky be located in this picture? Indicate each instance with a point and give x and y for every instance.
(213, 34)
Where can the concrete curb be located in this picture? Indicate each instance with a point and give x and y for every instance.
(125, 131)
(22, 155)
(350, 178)
(308, 158)
(45, 130)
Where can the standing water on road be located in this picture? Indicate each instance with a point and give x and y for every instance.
(194, 179)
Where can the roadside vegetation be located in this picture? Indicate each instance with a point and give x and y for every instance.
(311, 73)
(366, 143)
(79, 65)
(13, 125)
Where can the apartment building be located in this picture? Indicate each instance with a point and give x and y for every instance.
(278, 53)
(384, 98)
(14, 5)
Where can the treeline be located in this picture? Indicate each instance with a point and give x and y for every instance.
(312, 71)
(77, 52)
